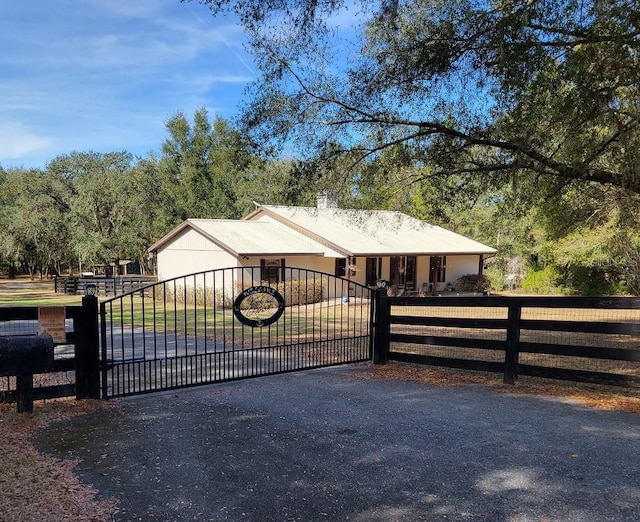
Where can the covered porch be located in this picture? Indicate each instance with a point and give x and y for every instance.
(417, 275)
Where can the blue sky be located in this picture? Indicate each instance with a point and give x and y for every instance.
(104, 75)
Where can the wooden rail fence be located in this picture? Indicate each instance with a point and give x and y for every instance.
(76, 370)
(105, 286)
(593, 340)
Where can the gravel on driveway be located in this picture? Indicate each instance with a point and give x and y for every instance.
(327, 445)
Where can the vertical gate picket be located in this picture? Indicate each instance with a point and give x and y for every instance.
(307, 326)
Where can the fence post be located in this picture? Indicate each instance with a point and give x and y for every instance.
(87, 350)
(382, 327)
(24, 393)
(513, 340)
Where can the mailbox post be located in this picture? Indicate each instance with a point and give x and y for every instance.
(22, 356)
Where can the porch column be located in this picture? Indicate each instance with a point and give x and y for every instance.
(480, 273)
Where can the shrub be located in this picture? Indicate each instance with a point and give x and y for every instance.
(545, 281)
(189, 295)
(300, 292)
(295, 292)
(590, 280)
(469, 283)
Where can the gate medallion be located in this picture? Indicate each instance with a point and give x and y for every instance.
(258, 306)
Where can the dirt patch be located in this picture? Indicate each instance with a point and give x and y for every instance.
(37, 487)
(596, 396)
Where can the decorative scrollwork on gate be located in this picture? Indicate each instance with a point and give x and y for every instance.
(258, 306)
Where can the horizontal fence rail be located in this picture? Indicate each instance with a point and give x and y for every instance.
(104, 286)
(74, 372)
(226, 324)
(579, 339)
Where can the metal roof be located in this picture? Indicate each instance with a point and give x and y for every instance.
(372, 232)
(246, 237)
(280, 230)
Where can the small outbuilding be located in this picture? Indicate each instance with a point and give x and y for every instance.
(364, 246)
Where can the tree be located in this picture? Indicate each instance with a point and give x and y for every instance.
(270, 182)
(112, 206)
(33, 218)
(592, 237)
(200, 163)
(543, 87)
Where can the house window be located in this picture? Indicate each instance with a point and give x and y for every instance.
(341, 266)
(403, 271)
(373, 270)
(438, 269)
(272, 270)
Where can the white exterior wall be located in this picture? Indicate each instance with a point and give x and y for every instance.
(458, 266)
(321, 264)
(189, 253)
(315, 263)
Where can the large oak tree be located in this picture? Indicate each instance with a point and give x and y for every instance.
(548, 88)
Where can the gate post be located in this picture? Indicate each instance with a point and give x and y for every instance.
(87, 350)
(513, 340)
(382, 327)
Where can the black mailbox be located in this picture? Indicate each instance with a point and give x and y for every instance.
(25, 355)
(22, 356)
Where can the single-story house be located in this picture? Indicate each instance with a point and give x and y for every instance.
(364, 246)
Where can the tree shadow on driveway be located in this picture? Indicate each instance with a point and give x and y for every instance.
(323, 445)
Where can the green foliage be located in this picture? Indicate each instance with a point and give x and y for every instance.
(469, 283)
(33, 217)
(295, 292)
(89, 208)
(495, 279)
(300, 292)
(545, 88)
(545, 281)
(199, 165)
(590, 280)
(110, 205)
(189, 296)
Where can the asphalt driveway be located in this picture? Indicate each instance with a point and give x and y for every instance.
(326, 445)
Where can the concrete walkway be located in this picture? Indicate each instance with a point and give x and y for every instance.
(327, 445)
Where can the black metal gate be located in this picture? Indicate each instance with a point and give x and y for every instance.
(231, 324)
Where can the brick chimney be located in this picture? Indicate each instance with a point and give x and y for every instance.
(327, 200)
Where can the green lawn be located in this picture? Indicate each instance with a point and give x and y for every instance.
(24, 292)
(303, 322)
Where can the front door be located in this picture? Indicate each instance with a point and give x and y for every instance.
(403, 272)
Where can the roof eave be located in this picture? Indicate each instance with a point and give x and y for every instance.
(443, 253)
(189, 224)
(281, 254)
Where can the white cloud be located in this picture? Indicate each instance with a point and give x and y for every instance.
(16, 141)
(96, 75)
